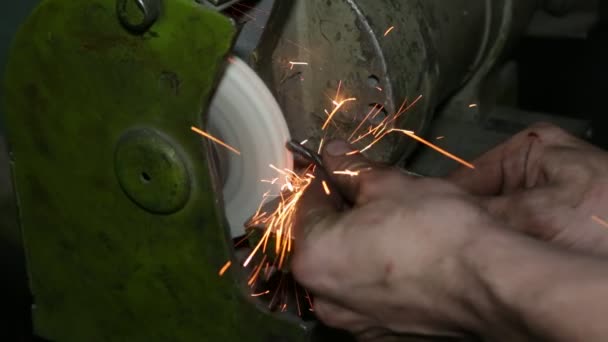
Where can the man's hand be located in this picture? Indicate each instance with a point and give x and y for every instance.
(423, 257)
(396, 262)
(547, 184)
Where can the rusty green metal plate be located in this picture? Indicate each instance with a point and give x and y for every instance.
(123, 242)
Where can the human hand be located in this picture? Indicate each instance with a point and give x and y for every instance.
(396, 263)
(548, 184)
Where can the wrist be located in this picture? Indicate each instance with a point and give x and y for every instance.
(491, 262)
(534, 291)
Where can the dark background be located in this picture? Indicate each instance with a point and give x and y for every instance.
(562, 76)
(568, 77)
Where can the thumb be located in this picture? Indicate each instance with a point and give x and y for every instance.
(348, 168)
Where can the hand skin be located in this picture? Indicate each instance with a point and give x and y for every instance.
(422, 257)
(545, 183)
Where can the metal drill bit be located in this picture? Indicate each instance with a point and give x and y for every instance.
(314, 158)
(302, 151)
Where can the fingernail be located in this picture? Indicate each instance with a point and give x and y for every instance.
(338, 148)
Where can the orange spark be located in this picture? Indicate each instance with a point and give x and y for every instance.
(600, 221)
(440, 150)
(389, 30)
(326, 188)
(310, 304)
(225, 268)
(215, 140)
(436, 148)
(337, 107)
(347, 173)
(387, 123)
(298, 46)
(440, 137)
(278, 225)
(473, 105)
(369, 114)
(321, 144)
(295, 290)
(380, 138)
(292, 64)
(423, 141)
(379, 88)
(256, 272)
(248, 7)
(406, 109)
(243, 13)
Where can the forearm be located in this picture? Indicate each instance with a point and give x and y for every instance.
(538, 291)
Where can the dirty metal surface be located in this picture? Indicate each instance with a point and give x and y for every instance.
(103, 266)
(432, 50)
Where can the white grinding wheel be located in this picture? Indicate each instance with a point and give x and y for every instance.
(245, 115)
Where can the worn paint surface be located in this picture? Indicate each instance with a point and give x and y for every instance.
(102, 268)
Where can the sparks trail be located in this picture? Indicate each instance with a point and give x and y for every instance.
(278, 224)
(389, 30)
(372, 113)
(347, 173)
(292, 64)
(269, 255)
(387, 123)
(422, 141)
(215, 140)
(243, 13)
(246, 12)
(298, 46)
(437, 148)
(338, 104)
(225, 268)
(250, 8)
(337, 107)
(387, 126)
(326, 188)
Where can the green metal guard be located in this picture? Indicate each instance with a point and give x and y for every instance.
(122, 230)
